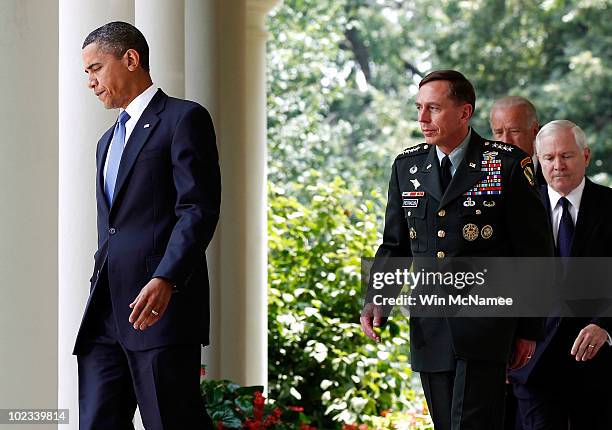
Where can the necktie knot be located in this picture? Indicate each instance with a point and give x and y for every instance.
(123, 117)
(565, 233)
(564, 203)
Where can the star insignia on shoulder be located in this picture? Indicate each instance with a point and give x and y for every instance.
(502, 146)
(416, 149)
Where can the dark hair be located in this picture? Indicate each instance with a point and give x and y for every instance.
(117, 37)
(461, 90)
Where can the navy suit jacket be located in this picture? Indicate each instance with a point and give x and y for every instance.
(592, 238)
(162, 218)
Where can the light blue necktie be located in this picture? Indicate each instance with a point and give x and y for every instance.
(114, 157)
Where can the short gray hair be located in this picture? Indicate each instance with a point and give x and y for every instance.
(514, 101)
(562, 124)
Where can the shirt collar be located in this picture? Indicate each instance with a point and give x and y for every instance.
(458, 153)
(140, 103)
(574, 197)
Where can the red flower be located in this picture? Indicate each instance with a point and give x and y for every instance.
(296, 408)
(349, 427)
(219, 425)
(258, 406)
(202, 370)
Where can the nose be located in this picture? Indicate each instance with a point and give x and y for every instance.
(424, 115)
(91, 81)
(558, 164)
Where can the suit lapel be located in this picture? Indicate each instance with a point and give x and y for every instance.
(429, 175)
(585, 222)
(105, 141)
(137, 139)
(468, 172)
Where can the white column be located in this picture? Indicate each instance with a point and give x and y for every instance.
(163, 22)
(241, 124)
(82, 120)
(28, 202)
(201, 81)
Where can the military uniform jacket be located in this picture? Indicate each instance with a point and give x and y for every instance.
(490, 208)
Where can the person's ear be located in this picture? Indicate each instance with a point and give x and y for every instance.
(132, 59)
(587, 156)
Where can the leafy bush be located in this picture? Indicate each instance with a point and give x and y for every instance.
(318, 355)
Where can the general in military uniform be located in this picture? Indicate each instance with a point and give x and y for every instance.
(459, 195)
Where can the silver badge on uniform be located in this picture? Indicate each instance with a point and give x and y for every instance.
(469, 203)
(415, 183)
(412, 233)
(488, 203)
(413, 169)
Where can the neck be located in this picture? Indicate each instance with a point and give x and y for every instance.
(454, 141)
(137, 89)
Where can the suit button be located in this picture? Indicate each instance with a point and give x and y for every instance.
(112, 231)
(441, 233)
(442, 212)
(441, 254)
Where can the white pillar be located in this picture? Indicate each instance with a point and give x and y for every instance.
(28, 175)
(163, 22)
(241, 125)
(82, 120)
(201, 81)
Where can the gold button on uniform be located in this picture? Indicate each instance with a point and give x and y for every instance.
(442, 212)
(441, 233)
(441, 254)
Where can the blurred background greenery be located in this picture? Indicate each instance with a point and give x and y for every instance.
(342, 76)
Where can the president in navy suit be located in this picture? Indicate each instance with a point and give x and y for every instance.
(567, 383)
(158, 196)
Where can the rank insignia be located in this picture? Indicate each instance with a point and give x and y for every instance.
(413, 169)
(528, 172)
(486, 232)
(470, 232)
(412, 233)
(410, 203)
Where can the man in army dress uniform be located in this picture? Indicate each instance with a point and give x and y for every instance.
(458, 195)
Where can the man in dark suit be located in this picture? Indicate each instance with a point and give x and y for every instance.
(459, 195)
(158, 197)
(514, 120)
(566, 385)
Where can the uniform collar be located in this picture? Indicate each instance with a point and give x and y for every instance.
(456, 154)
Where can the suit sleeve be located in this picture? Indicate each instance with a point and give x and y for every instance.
(197, 180)
(396, 238)
(527, 220)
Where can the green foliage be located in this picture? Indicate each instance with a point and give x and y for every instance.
(318, 355)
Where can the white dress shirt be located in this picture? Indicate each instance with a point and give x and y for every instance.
(135, 110)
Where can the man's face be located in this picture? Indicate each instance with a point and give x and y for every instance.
(108, 76)
(563, 162)
(443, 121)
(513, 125)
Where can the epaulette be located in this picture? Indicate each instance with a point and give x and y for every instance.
(414, 150)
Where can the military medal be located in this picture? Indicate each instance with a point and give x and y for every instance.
(412, 233)
(470, 232)
(486, 232)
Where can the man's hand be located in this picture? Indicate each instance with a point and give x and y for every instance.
(371, 317)
(151, 303)
(523, 351)
(588, 342)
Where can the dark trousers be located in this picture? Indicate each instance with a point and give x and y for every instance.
(164, 382)
(471, 397)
